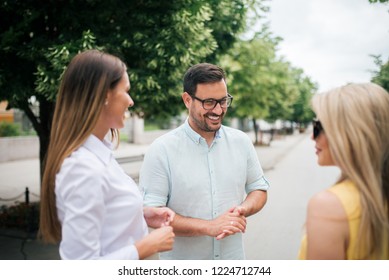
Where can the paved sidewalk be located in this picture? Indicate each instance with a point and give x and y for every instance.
(17, 175)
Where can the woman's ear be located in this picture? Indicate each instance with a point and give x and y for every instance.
(108, 97)
(187, 99)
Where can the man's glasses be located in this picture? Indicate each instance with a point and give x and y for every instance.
(210, 104)
(317, 128)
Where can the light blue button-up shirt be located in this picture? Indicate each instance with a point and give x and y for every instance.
(182, 172)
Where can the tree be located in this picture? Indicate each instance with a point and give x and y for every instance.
(291, 94)
(381, 76)
(159, 40)
(249, 75)
(302, 113)
(284, 90)
(264, 85)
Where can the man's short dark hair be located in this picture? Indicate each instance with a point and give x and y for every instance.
(202, 73)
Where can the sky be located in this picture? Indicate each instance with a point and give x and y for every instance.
(331, 40)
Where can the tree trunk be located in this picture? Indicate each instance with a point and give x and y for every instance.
(46, 110)
(42, 126)
(256, 131)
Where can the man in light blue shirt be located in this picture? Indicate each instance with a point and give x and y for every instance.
(209, 174)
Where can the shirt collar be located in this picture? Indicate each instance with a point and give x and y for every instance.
(194, 135)
(102, 149)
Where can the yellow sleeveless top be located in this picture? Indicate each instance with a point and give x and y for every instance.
(349, 197)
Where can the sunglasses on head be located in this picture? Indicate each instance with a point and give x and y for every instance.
(317, 128)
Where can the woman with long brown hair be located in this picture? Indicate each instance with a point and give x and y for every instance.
(88, 203)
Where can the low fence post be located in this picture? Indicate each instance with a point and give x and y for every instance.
(27, 196)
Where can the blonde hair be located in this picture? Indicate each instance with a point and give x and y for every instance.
(355, 119)
(81, 97)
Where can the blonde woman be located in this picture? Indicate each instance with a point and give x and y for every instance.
(88, 203)
(350, 220)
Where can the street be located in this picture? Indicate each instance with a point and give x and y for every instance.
(275, 232)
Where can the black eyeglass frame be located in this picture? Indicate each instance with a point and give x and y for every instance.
(317, 128)
(229, 98)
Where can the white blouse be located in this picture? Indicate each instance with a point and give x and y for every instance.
(99, 206)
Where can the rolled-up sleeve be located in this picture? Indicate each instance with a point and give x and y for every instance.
(154, 178)
(255, 176)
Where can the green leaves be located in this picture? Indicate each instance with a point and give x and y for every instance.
(158, 41)
(381, 76)
(49, 72)
(264, 85)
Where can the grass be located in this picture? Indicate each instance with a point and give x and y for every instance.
(20, 216)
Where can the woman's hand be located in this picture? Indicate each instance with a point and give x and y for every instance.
(158, 240)
(158, 216)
